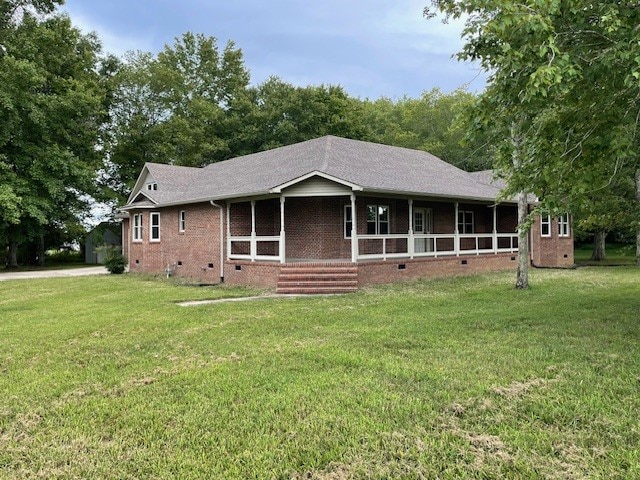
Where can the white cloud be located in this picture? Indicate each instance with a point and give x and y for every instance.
(112, 42)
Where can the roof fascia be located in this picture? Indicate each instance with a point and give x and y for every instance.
(316, 173)
(130, 205)
(431, 195)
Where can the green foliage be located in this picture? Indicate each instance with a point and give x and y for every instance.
(64, 256)
(564, 75)
(178, 107)
(458, 378)
(434, 123)
(114, 260)
(283, 114)
(51, 110)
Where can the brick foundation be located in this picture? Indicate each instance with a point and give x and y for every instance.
(252, 274)
(391, 271)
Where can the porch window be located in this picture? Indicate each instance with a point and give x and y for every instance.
(182, 222)
(377, 219)
(137, 227)
(348, 221)
(154, 226)
(465, 221)
(545, 225)
(563, 225)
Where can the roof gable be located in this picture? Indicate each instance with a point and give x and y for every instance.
(317, 183)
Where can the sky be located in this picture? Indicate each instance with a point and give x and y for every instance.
(372, 48)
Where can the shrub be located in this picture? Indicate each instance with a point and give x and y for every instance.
(114, 260)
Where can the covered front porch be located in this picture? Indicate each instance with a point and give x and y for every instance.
(363, 228)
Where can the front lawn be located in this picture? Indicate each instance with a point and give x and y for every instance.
(615, 254)
(106, 377)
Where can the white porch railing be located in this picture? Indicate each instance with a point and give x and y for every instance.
(253, 242)
(382, 247)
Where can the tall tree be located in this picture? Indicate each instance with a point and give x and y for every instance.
(571, 68)
(284, 114)
(179, 107)
(50, 113)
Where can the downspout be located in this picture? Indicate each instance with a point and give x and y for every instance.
(214, 204)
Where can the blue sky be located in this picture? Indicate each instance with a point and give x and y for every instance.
(372, 48)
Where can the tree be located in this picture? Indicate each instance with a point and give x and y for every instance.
(50, 112)
(179, 107)
(430, 123)
(284, 114)
(571, 70)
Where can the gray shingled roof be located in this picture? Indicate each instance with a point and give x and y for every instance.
(374, 167)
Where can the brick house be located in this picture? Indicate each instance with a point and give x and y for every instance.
(327, 215)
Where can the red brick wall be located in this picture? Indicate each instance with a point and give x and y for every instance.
(553, 251)
(193, 253)
(315, 228)
(385, 272)
(256, 274)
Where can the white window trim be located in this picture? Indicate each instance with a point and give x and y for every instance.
(347, 232)
(463, 214)
(182, 221)
(152, 186)
(545, 220)
(378, 222)
(563, 225)
(151, 226)
(136, 228)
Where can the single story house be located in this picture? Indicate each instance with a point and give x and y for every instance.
(327, 215)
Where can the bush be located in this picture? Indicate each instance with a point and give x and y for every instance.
(114, 260)
(64, 256)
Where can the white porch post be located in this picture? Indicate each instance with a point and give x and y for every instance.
(456, 243)
(495, 229)
(282, 236)
(411, 245)
(354, 230)
(228, 230)
(254, 247)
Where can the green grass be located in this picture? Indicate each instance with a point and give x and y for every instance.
(616, 255)
(106, 377)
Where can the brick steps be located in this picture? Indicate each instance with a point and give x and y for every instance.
(317, 279)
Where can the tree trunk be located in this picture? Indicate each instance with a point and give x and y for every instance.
(522, 275)
(599, 246)
(12, 257)
(638, 227)
(40, 254)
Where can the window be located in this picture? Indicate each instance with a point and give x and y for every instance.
(152, 186)
(137, 227)
(182, 222)
(377, 219)
(465, 221)
(545, 225)
(563, 225)
(348, 221)
(154, 226)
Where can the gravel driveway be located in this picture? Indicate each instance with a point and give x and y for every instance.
(68, 272)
